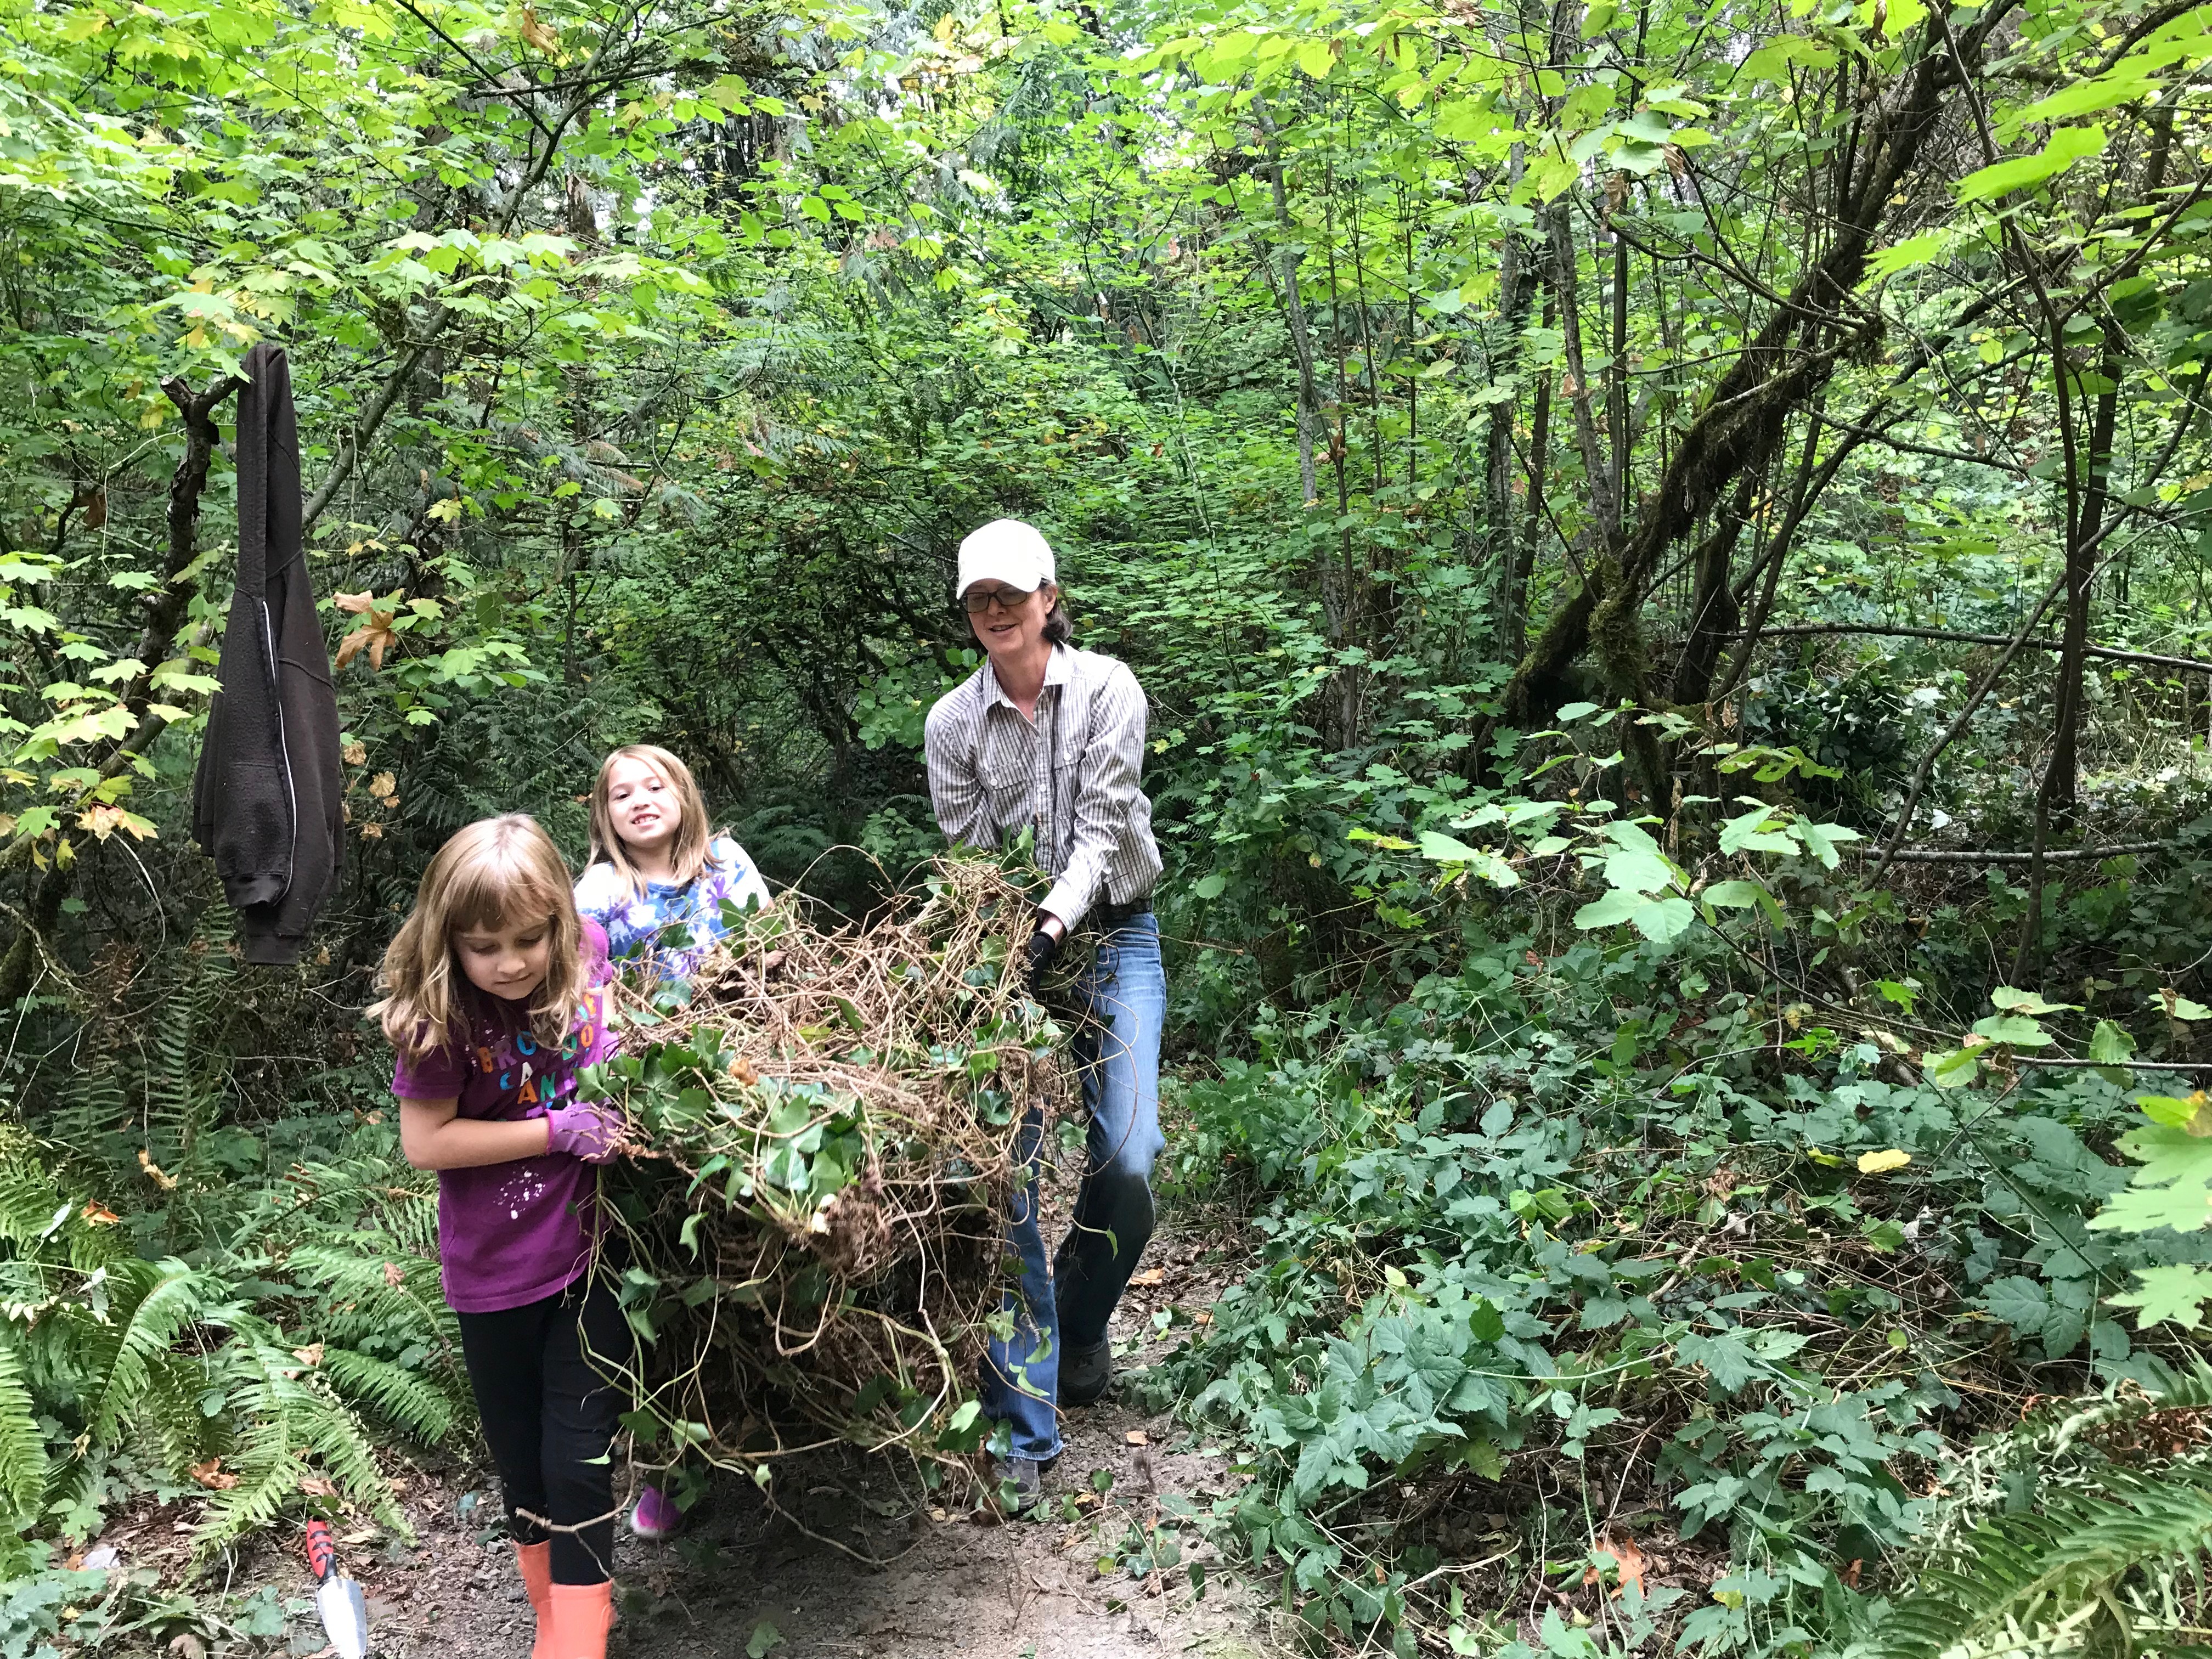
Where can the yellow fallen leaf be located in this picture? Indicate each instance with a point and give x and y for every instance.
(536, 32)
(375, 633)
(1632, 1561)
(212, 1475)
(1883, 1163)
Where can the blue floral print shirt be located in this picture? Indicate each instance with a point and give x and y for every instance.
(639, 930)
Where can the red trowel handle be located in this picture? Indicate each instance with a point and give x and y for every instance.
(322, 1554)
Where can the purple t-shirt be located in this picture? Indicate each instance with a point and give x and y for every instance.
(510, 1234)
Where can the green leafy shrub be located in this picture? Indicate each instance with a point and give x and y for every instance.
(252, 1374)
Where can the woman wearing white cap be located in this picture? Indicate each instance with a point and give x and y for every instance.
(1051, 738)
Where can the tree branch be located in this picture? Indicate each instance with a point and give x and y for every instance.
(1883, 630)
(588, 85)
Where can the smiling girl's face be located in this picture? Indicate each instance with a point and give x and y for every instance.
(508, 961)
(645, 808)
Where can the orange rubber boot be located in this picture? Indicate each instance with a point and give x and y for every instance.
(535, 1563)
(582, 1615)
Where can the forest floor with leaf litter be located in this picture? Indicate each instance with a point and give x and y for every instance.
(748, 1578)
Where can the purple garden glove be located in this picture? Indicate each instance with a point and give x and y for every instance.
(584, 1129)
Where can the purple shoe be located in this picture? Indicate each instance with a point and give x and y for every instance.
(656, 1519)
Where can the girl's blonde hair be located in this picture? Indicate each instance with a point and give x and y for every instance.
(694, 839)
(496, 873)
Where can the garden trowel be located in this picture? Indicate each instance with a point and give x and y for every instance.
(337, 1598)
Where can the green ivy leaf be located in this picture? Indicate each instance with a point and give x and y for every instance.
(1657, 920)
(2027, 1002)
(2109, 1044)
(1726, 1359)
(1822, 840)
(2067, 145)
(1664, 920)
(2166, 1294)
(2012, 1031)
(1954, 1068)
(1745, 896)
(1771, 62)
(2173, 1188)
(1913, 251)
(1445, 850)
(1759, 831)
(2191, 1115)
(2019, 1302)
(1636, 864)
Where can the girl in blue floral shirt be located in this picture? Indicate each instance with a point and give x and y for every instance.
(657, 881)
(658, 876)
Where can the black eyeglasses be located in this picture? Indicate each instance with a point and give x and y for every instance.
(979, 599)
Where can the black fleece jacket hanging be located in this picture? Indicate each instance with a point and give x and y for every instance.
(265, 802)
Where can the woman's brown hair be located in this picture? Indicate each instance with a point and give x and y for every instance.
(496, 873)
(694, 838)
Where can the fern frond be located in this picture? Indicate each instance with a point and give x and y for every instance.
(362, 1300)
(282, 1410)
(2186, 1388)
(92, 1102)
(267, 1475)
(405, 1398)
(412, 1224)
(168, 1418)
(171, 1297)
(42, 1220)
(31, 1204)
(22, 1448)
(2069, 1445)
(338, 1439)
(2014, 1580)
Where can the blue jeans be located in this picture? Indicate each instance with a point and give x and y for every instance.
(1123, 997)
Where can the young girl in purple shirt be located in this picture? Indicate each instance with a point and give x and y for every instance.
(495, 996)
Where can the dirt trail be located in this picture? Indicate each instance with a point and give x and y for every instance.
(953, 1585)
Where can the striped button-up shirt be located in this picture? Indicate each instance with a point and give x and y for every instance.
(1072, 775)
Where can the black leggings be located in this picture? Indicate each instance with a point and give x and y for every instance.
(549, 1416)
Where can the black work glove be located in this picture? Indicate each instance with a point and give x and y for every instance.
(1037, 958)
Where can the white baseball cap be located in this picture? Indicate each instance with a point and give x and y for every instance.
(1006, 550)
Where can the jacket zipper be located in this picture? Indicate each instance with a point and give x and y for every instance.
(283, 750)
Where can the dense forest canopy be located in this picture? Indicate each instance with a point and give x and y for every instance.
(1666, 546)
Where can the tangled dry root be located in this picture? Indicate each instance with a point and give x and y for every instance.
(823, 1146)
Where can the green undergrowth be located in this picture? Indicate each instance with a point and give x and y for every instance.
(245, 1347)
(1570, 1265)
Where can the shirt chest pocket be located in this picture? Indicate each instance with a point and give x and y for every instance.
(1011, 789)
